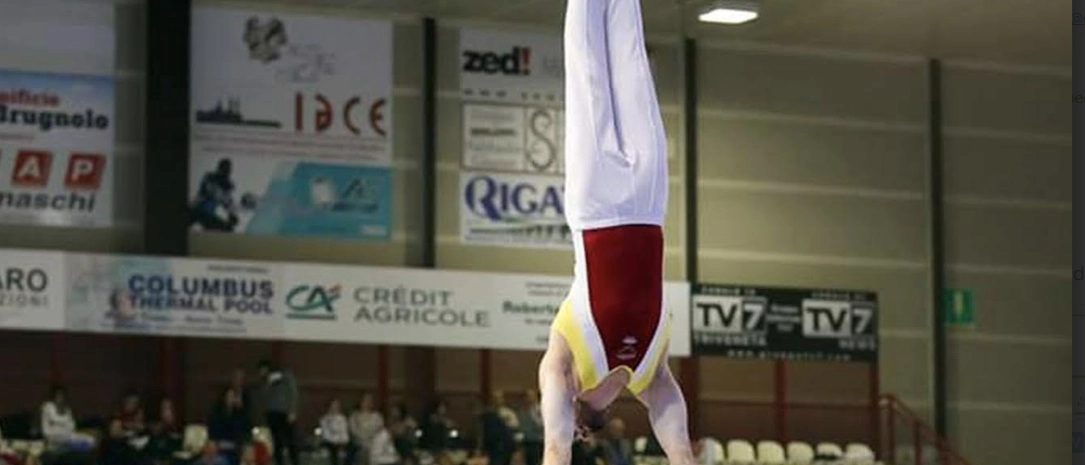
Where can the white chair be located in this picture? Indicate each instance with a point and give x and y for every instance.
(740, 451)
(193, 441)
(770, 453)
(857, 453)
(799, 452)
(640, 445)
(711, 452)
(829, 449)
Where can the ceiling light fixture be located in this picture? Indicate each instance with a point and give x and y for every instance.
(729, 12)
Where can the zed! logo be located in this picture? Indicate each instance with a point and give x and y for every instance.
(826, 318)
(312, 302)
(516, 62)
(728, 314)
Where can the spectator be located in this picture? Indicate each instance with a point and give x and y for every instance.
(365, 423)
(131, 415)
(165, 436)
(334, 432)
(436, 428)
(228, 426)
(244, 393)
(209, 455)
(58, 425)
(616, 448)
(586, 451)
(382, 449)
(497, 439)
(115, 448)
(507, 414)
(404, 432)
(532, 428)
(280, 405)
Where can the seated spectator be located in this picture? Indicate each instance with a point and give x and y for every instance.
(382, 449)
(436, 428)
(228, 426)
(404, 431)
(586, 451)
(131, 415)
(165, 435)
(365, 422)
(496, 439)
(58, 425)
(616, 448)
(334, 432)
(116, 448)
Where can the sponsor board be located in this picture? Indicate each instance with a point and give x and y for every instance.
(782, 323)
(31, 290)
(514, 138)
(286, 93)
(291, 198)
(512, 67)
(513, 210)
(179, 297)
(437, 308)
(58, 36)
(56, 146)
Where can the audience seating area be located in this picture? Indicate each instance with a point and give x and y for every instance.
(742, 452)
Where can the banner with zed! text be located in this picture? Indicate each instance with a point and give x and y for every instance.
(170, 296)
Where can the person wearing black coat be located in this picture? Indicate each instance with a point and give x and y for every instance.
(229, 427)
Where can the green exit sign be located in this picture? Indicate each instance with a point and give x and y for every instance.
(958, 307)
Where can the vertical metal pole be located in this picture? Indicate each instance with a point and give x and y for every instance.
(690, 368)
(937, 238)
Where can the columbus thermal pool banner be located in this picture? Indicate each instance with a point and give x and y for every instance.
(784, 323)
(423, 307)
(31, 290)
(513, 210)
(512, 86)
(180, 297)
(291, 124)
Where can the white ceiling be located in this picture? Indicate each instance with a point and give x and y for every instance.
(1011, 32)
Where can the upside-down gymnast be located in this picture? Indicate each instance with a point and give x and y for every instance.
(612, 331)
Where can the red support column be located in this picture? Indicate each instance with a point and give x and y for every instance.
(277, 350)
(780, 400)
(171, 378)
(690, 379)
(485, 374)
(875, 412)
(382, 377)
(57, 373)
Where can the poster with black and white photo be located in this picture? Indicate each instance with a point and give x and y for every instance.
(784, 323)
(512, 86)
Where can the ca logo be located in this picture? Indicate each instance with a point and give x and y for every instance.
(312, 302)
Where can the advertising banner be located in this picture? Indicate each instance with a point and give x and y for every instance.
(31, 290)
(296, 198)
(782, 323)
(290, 101)
(513, 90)
(56, 149)
(58, 36)
(513, 210)
(436, 308)
(177, 297)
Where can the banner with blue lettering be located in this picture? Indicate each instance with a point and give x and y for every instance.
(513, 209)
(178, 297)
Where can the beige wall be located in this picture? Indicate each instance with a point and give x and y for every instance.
(1008, 188)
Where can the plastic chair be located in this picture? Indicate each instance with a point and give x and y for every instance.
(711, 452)
(799, 452)
(640, 445)
(829, 449)
(193, 441)
(770, 453)
(857, 453)
(740, 451)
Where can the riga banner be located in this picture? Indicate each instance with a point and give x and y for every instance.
(784, 323)
(288, 101)
(56, 145)
(31, 290)
(177, 297)
(513, 210)
(513, 89)
(436, 308)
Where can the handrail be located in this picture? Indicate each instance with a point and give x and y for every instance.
(894, 404)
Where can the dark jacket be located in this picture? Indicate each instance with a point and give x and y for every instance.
(229, 425)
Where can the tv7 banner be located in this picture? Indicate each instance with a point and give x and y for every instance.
(784, 323)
